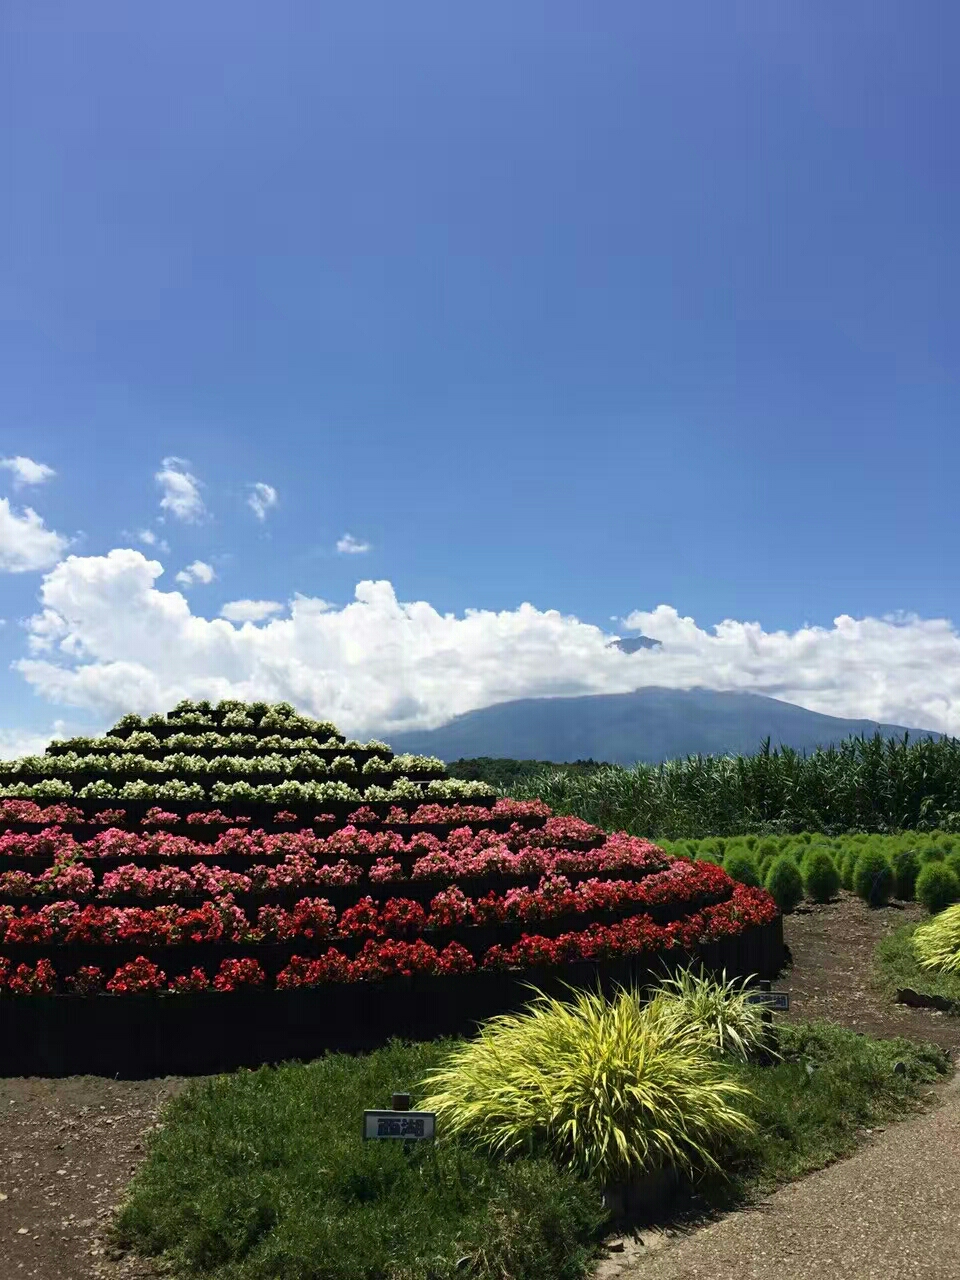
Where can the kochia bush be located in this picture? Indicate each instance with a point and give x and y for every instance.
(873, 877)
(937, 887)
(784, 883)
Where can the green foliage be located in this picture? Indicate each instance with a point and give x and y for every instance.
(263, 1174)
(784, 883)
(906, 868)
(739, 865)
(873, 877)
(937, 943)
(863, 784)
(847, 865)
(898, 966)
(821, 879)
(807, 1118)
(937, 886)
(608, 1088)
(729, 1024)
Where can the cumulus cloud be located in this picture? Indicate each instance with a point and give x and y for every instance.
(262, 498)
(28, 742)
(26, 471)
(26, 544)
(151, 539)
(108, 640)
(199, 571)
(181, 491)
(249, 610)
(350, 546)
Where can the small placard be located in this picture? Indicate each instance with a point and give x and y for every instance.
(406, 1125)
(776, 1000)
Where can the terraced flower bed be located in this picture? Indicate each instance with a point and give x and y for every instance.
(170, 931)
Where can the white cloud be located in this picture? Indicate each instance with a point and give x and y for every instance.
(108, 640)
(181, 491)
(26, 471)
(262, 498)
(26, 544)
(151, 539)
(199, 571)
(351, 546)
(249, 610)
(28, 742)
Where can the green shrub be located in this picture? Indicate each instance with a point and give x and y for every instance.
(952, 860)
(906, 868)
(740, 866)
(873, 877)
(764, 868)
(750, 842)
(610, 1089)
(937, 943)
(706, 856)
(821, 879)
(937, 887)
(931, 855)
(767, 846)
(784, 883)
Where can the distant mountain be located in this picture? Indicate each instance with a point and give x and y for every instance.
(650, 724)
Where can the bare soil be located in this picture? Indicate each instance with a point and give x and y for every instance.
(68, 1147)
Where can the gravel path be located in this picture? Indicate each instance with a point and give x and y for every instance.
(887, 1212)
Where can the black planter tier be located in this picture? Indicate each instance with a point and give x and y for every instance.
(142, 1036)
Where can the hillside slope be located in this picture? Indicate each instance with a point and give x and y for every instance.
(650, 725)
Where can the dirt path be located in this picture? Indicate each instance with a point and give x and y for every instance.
(68, 1147)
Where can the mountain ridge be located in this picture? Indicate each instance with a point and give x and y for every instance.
(649, 725)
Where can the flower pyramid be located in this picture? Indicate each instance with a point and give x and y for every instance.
(223, 848)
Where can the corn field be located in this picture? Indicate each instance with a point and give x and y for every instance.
(863, 784)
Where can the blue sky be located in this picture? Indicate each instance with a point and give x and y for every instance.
(595, 309)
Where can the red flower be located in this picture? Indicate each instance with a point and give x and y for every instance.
(195, 980)
(137, 976)
(30, 981)
(233, 974)
(86, 981)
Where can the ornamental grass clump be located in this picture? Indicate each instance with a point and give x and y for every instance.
(729, 1023)
(937, 943)
(612, 1089)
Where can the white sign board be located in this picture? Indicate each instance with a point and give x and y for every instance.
(408, 1125)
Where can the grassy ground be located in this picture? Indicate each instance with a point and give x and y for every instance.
(897, 967)
(262, 1175)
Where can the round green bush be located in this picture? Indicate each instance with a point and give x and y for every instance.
(906, 868)
(767, 846)
(937, 887)
(931, 855)
(705, 855)
(763, 867)
(784, 883)
(750, 842)
(821, 879)
(873, 877)
(952, 860)
(846, 861)
(739, 865)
